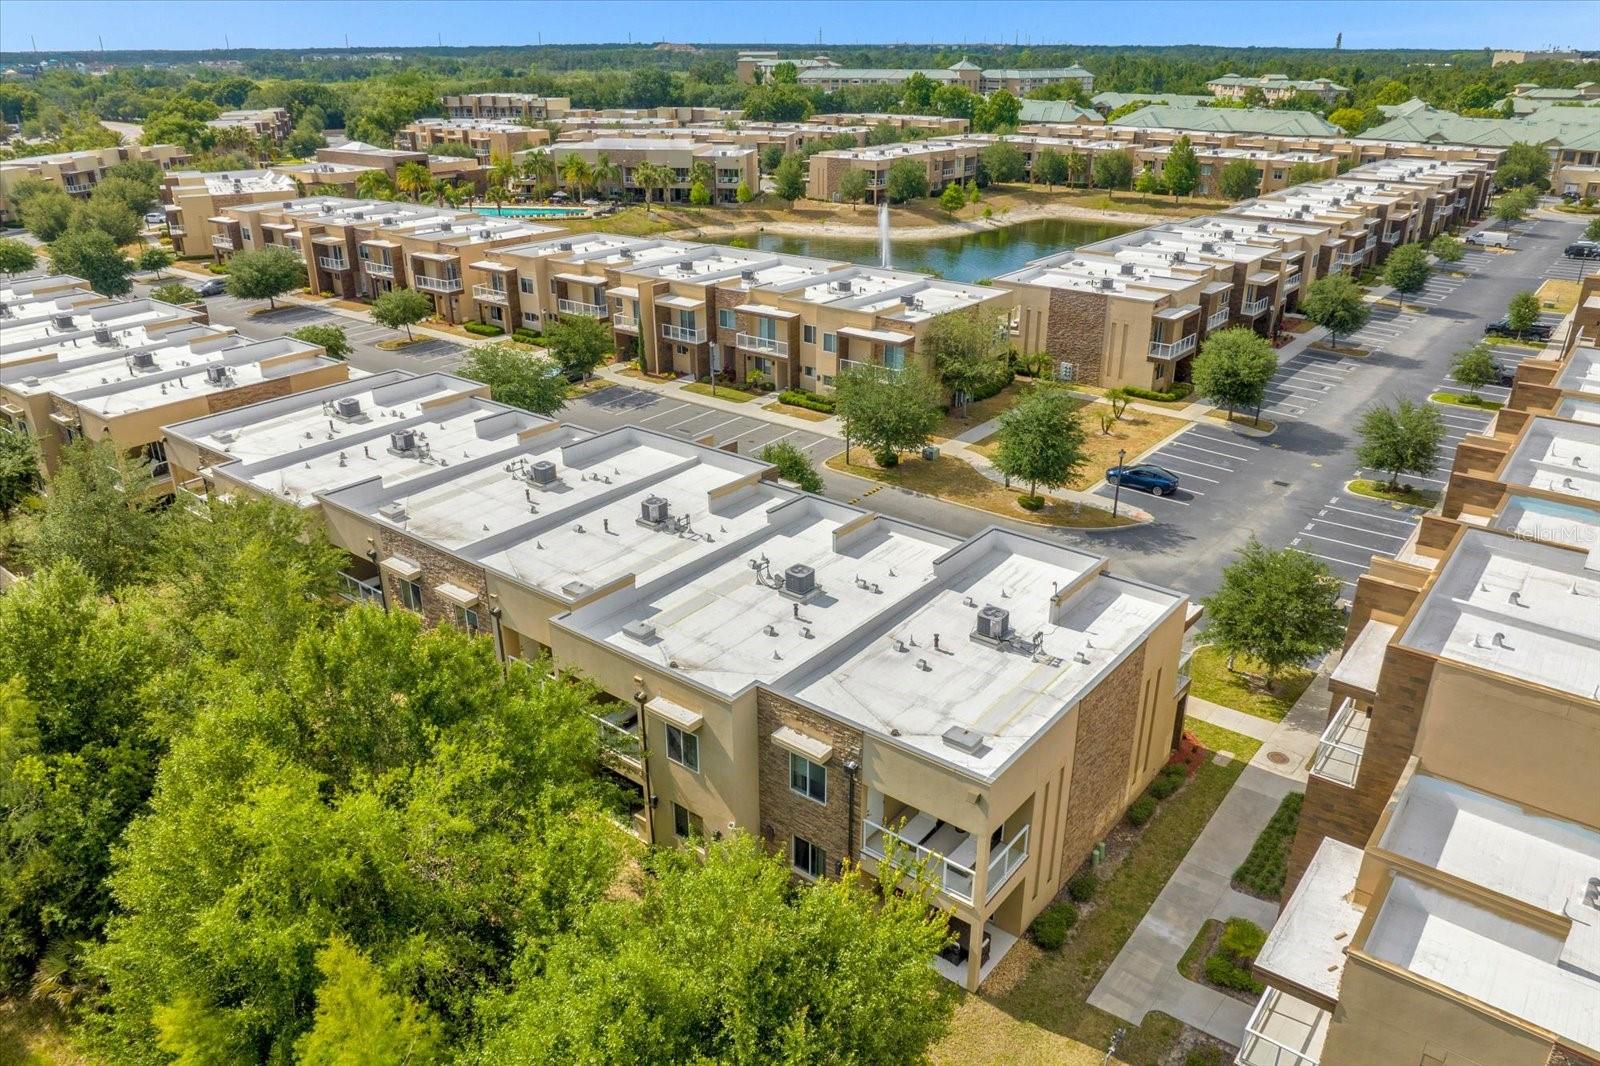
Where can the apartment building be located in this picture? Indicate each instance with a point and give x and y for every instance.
(943, 161)
(755, 67)
(79, 172)
(830, 77)
(26, 296)
(390, 160)
(506, 107)
(325, 179)
(192, 198)
(267, 123)
(1274, 87)
(66, 320)
(930, 124)
(730, 165)
(488, 138)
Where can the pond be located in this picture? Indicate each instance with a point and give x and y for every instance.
(970, 257)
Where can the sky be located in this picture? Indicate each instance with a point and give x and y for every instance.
(63, 25)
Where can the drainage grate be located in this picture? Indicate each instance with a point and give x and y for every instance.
(1277, 757)
(1281, 484)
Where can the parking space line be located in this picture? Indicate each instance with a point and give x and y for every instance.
(1381, 518)
(1347, 544)
(1224, 443)
(1180, 443)
(719, 425)
(1358, 529)
(1197, 462)
(663, 414)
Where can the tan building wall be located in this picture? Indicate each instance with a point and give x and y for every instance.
(79, 172)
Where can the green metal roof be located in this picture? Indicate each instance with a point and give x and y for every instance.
(1231, 120)
(1056, 111)
(1567, 127)
(1112, 101)
(1280, 81)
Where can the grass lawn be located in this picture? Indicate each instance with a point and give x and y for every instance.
(399, 343)
(631, 370)
(584, 388)
(956, 481)
(1239, 418)
(1558, 295)
(980, 411)
(1195, 955)
(1408, 495)
(32, 1034)
(1244, 688)
(1136, 432)
(1263, 871)
(1458, 400)
(798, 412)
(1043, 1015)
(1098, 390)
(724, 392)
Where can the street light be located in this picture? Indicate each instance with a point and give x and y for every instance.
(1116, 1038)
(714, 360)
(1116, 489)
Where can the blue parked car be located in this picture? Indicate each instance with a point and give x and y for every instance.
(1147, 476)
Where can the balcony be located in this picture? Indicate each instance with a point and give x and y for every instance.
(191, 496)
(1292, 282)
(224, 243)
(953, 878)
(1181, 682)
(377, 269)
(682, 334)
(765, 345)
(578, 307)
(1352, 258)
(1175, 349)
(1391, 237)
(621, 746)
(1283, 1031)
(330, 262)
(626, 323)
(1217, 319)
(1252, 308)
(1007, 861)
(360, 590)
(428, 283)
(1338, 757)
(490, 294)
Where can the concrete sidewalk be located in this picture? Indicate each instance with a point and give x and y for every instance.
(1144, 976)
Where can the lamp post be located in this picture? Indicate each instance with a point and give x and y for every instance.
(1116, 489)
(714, 361)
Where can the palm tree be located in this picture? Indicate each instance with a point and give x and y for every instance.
(498, 194)
(413, 179)
(439, 192)
(539, 167)
(374, 185)
(502, 171)
(651, 176)
(575, 173)
(604, 172)
(1077, 166)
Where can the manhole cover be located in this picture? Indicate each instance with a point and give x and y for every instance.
(1277, 757)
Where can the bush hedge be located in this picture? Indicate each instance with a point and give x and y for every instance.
(1264, 870)
(1168, 781)
(1051, 927)
(1229, 965)
(482, 329)
(993, 387)
(809, 400)
(1083, 885)
(1141, 810)
(1181, 391)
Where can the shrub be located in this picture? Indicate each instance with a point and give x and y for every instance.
(1242, 939)
(1181, 391)
(527, 336)
(991, 387)
(1083, 885)
(1051, 927)
(482, 329)
(217, 268)
(1204, 1055)
(1165, 785)
(1264, 870)
(1225, 973)
(1031, 503)
(809, 400)
(1141, 810)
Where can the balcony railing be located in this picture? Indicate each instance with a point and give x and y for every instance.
(225, 243)
(1338, 757)
(764, 345)
(683, 334)
(329, 262)
(1283, 1031)
(1006, 862)
(490, 293)
(627, 323)
(1251, 308)
(864, 364)
(1391, 236)
(1292, 282)
(620, 742)
(1217, 319)
(578, 307)
(1353, 257)
(1181, 682)
(428, 283)
(954, 879)
(377, 269)
(1175, 349)
(357, 590)
(192, 500)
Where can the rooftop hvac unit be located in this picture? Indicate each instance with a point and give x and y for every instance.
(483, 235)
(347, 407)
(842, 285)
(747, 275)
(217, 374)
(564, 246)
(143, 360)
(102, 335)
(394, 511)
(402, 441)
(1108, 283)
(1127, 270)
(62, 321)
(1227, 234)
(640, 630)
(387, 220)
(542, 472)
(654, 511)
(445, 226)
(963, 739)
(908, 300)
(287, 204)
(800, 582)
(994, 624)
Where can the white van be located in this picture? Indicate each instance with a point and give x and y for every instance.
(1490, 238)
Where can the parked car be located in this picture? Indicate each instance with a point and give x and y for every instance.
(1583, 250)
(1504, 376)
(154, 218)
(1490, 238)
(1538, 331)
(211, 287)
(1154, 479)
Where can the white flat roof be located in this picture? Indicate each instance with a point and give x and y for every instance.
(1540, 519)
(1582, 372)
(1578, 409)
(1307, 943)
(127, 321)
(1558, 457)
(244, 364)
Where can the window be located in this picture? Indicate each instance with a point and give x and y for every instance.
(687, 824)
(530, 318)
(244, 234)
(553, 289)
(526, 284)
(808, 858)
(496, 314)
(827, 379)
(808, 778)
(808, 334)
(726, 318)
(810, 371)
(683, 748)
(411, 594)
(467, 618)
(830, 342)
(894, 356)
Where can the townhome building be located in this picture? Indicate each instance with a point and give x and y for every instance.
(831, 78)
(85, 326)
(27, 296)
(944, 161)
(268, 123)
(755, 67)
(730, 165)
(451, 168)
(193, 198)
(1274, 87)
(326, 179)
(488, 138)
(929, 125)
(529, 285)
(506, 107)
(77, 173)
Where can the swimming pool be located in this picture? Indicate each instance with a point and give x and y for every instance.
(533, 212)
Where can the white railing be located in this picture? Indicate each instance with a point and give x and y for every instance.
(333, 262)
(578, 307)
(176, 231)
(1174, 349)
(490, 293)
(225, 243)
(1339, 751)
(862, 364)
(1251, 308)
(377, 269)
(1181, 682)
(765, 345)
(1217, 319)
(1283, 1031)
(616, 740)
(432, 284)
(1391, 236)
(194, 502)
(953, 879)
(1006, 862)
(356, 590)
(1291, 282)
(681, 333)
(1351, 258)
(625, 322)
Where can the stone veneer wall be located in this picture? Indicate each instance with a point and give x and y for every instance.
(784, 812)
(1102, 759)
(1075, 332)
(437, 569)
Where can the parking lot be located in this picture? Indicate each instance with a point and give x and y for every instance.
(1566, 269)
(620, 405)
(1347, 531)
(1204, 458)
(1303, 381)
(1386, 325)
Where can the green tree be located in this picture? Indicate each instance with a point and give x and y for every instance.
(1475, 367)
(304, 141)
(517, 377)
(789, 180)
(331, 338)
(1407, 269)
(907, 180)
(1522, 312)
(1113, 170)
(953, 198)
(265, 274)
(1233, 368)
(1239, 179)
(1041, 442)
(699, 195)
(46, 215)
(1002, 161)
(101, 513)
(1149, 182)
(770, 156)
(1050, 167)
(793, 465)
(358, 1022)
(916, 94)
(15, 256)
(174, 293)
(1279, 608)
(94, 256)
(138, 196)
(1182, 170)
(578, 343)
(743, 194)
(888, 412)
(1335, 303)
(413, 179)
(955, 101)
(1303, 172)
(1524, 164)
(155, 258)
(1591, 232)
(853, 186)
(650, 177)
(967, 351)
(1352, 120)
(19, 471)
(401, 309)
(1400, 438)
(111, 217)
(1447, 248)
(1000, 111)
